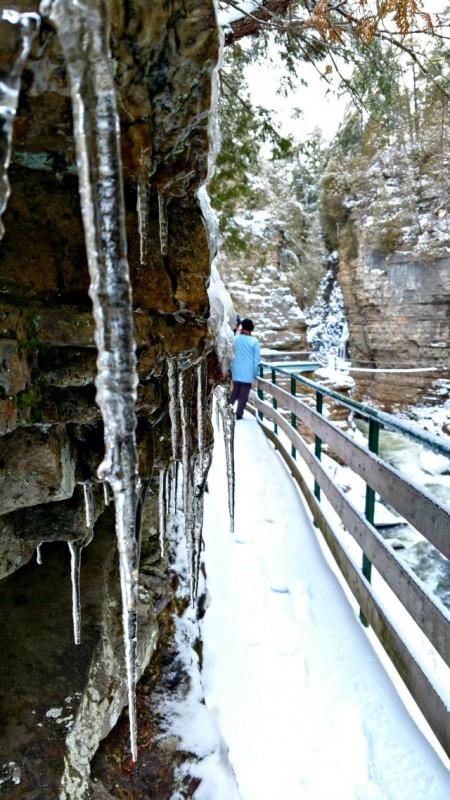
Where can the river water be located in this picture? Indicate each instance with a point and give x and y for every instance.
(431, 472)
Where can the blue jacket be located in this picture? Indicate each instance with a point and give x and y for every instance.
(244, 366)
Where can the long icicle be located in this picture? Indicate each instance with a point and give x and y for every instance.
(162, 502)
(142, 209)
(163, 224)
(172, 377)
(228, 423)
(185, 408)
(75, 569)
(88, 504)
(201, 407)
(14, 55)
(75, 549)
(83, 30)
(200, 474)
(39, 554)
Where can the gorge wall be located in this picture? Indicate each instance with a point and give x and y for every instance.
(385, 212)
(58, 699)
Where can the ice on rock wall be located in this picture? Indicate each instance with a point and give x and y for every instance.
(163, 224)
(16, 36)
(182, 377)
(162, 499)
(142, 206)
(75, 549)
(172, 376)
(142, 215)
(88, 504)
(199, 477)
(228, 422)
(83, 31)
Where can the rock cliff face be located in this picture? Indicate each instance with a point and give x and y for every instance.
(58, 700)
(385, 213)
(262, 293)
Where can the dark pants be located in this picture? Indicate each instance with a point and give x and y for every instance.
(240, 393)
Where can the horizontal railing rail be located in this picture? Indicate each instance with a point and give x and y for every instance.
(413, 503)
(388, 420)
(430, 517)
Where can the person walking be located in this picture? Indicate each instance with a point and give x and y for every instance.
(244, 366)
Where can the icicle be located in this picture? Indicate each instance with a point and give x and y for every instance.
(216, 406)
(39, 554)
(88, 504)
(185, 438)
(200, 474)
(75, 549)
(186, 461)
(228, 422)
(172, 376)
(163, 224)
(105, 493)
(169, 487)
(162, 511)
(142, 214)
(75, 568)
(83, 31)
(17, 33)
(175, 468)
(201, 409)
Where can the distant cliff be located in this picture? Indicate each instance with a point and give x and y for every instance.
(385, 210)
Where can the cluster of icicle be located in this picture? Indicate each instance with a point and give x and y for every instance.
(18, 31)
(195, 467)
(83, 31)
(143, 208)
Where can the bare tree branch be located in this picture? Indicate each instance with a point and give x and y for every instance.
(250, 24)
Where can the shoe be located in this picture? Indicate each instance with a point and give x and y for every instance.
(238, 417)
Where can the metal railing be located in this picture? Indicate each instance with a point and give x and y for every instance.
(426, 514)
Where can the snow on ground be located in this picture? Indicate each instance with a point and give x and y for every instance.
(297, 692)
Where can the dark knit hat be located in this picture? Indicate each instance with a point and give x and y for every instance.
(247, 325)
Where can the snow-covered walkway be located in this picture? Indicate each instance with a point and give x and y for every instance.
(301, 699)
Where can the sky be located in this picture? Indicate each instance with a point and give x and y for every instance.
(292, 700)
(322, 109)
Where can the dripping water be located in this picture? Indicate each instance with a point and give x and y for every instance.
(84, 34)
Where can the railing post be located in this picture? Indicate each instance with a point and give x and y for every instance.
(274, 401)
(318, 440)
(293, 417)
(260, 391)
(369, 510)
